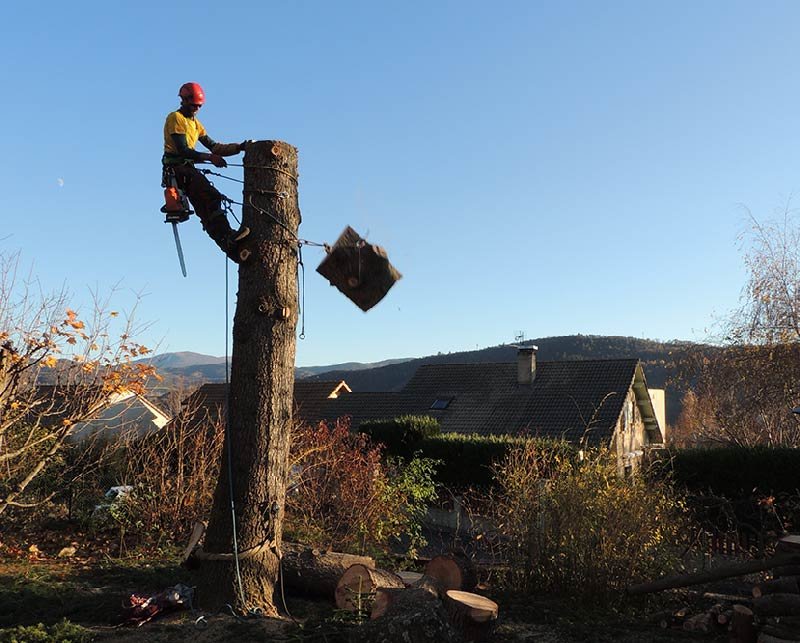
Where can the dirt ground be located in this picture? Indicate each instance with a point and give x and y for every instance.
(88, 588)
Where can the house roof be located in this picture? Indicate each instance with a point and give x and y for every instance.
(208, 401)
(566, 399)
(96, 409)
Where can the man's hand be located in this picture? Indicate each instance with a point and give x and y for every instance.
(243, 145)
(217, 160)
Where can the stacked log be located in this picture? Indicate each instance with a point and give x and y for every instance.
(772, 616)
(417, 608)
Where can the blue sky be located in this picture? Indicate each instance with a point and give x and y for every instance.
(555, 168)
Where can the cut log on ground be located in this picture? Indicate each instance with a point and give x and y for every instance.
(786, 570)
(409, 578)
(310, 572)
(473, 615)
(743, 629)
(388, 598)
(453, 571)
(703, 622)
(723, 571)
(777, 605)
(416, 616)
(787, 585)
(778, 631)
(357, 587)
(763, 637)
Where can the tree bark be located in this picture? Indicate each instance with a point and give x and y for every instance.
(260, 398)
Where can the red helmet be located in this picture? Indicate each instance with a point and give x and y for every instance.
(193, 93)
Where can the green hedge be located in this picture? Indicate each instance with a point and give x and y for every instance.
(467, 460)
(735, 472)
(464, 460)
(402, 435)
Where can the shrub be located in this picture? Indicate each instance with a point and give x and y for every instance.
(572, 527)
(62, 632)
(469, 460)
(174, 473)
(342, 496)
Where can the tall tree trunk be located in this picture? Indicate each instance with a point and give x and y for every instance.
(261, 389)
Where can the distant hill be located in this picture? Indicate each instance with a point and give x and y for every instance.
(188, 369)
(183, 360)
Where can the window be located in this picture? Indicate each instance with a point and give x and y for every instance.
(441, 403)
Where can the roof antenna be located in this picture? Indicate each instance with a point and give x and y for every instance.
(519, 338)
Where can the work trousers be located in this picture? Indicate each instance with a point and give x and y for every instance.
(204, 197)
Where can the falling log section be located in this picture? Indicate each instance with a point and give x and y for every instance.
(262, 379)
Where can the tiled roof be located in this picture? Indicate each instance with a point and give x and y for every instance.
(208, 401)
(565, 399)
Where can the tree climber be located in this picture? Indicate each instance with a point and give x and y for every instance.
(182, 131)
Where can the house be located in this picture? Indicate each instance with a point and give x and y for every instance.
(596, 401)
(104, 415)
(208, 401)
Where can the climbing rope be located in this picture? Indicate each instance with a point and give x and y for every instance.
(228, 448)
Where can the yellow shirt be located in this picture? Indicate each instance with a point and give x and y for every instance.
(177, 123)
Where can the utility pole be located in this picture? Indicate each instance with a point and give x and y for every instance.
(261, 391)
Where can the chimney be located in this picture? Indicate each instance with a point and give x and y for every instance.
(526, 364)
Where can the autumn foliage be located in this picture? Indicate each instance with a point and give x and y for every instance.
(44, 341)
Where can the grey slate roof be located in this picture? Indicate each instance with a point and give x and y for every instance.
(565, 399)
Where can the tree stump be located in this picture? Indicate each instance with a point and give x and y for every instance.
(311, 572)
(473, 615)
(453, 571)
(356, 588)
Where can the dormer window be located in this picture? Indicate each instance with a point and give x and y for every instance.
(441, 403)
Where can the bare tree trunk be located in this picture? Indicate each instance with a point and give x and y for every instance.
(260, 399)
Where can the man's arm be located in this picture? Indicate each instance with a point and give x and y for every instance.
(193, 155)
(223, 149)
